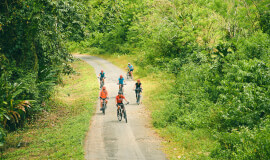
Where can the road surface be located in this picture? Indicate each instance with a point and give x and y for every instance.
(109, 139)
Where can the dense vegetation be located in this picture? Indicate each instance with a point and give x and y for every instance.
(218, 54)
(59, 132)
(33, 55)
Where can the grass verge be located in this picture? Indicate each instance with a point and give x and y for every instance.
(60, 132)
(178, 143)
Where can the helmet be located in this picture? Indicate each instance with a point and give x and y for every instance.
(119, 92)
(121, 76)
(103, 88)
(101, 71)
(138, 81)
(128, 63)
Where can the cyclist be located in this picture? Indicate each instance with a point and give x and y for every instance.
(121, 81)
(102, 77)
(119, 100)
(138, 88)
(130, 69)
(103, 95)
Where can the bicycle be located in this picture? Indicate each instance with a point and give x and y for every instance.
(129, 74)
(101, 81)
(121, 87)
(104, 105)
(122, 112)
(138, 95)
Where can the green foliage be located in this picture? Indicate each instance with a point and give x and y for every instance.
(264, 15)
(218, 52)
(110, 22)
(244, 143)
(33, 54)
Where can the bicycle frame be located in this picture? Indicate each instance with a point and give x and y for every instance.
(121, 87)
(129, 74)
(101, 79)
(138, 95)
(104, 105)
(121, 112)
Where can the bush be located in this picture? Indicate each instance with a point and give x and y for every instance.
(244, 143)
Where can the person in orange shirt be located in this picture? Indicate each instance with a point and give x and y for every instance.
(119, 100)
(103, 95)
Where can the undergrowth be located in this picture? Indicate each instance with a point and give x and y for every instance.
(60, 133)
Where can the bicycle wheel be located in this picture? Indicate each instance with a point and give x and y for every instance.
(101, 84)
(125, 115)
(119, 115)
(121, 89)
(138, 99)
(103, 108)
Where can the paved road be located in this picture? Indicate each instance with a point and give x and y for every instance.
(109, 139)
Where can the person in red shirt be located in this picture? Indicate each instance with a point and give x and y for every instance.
(103, 95)
(119, 100)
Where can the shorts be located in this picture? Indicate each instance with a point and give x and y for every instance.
(104, 99)
(120, 104)
(138, 91)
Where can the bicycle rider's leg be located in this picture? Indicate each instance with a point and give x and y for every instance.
(131, 74)
(123, 107)
(101, 102)
(100, 81)
(121, 85)
(119, 105)
(136, 92)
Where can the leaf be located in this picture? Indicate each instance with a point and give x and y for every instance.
(7, 117)
(23, 104)
(15, 116)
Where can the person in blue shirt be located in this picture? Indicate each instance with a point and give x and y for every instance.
(130, 68)
(121, 82)
(102, 77)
